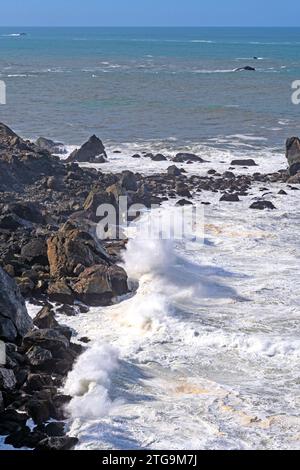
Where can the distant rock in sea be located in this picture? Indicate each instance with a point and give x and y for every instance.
(93, 151)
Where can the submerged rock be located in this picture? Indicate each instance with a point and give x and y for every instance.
(187, 157)
(241, 162)
(262, 205)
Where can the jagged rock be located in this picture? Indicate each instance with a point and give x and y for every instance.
(187, 157)
(25, 211)
(48, 339)
(37, 356)
(71, 247)
(243, 162)
(261, 205)
(7, 379)
(14, 319)
(45, 319)
(35, 251)
(99, 284)
(50, 145)
(293, 155)
(57, 443)
(92, 151)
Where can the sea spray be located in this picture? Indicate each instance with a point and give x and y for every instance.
(88, 383)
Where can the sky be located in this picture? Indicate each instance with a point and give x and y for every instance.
(149, 13)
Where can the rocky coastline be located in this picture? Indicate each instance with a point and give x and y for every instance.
(50, 256)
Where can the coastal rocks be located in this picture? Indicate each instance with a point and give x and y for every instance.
(182, 190)
(248, 68)
(293, 155)
(99, 284)
(187, 157)
(71, 247)
(92, 151)
(128, 181)
(262, 205)
(14, 319)
(57, 443)
(45, 319)
(48, 339)
(241, 162)
(49, 145)
(230, 197)
(173, 170)
(183, 202)
(158, 158)
(7, 379)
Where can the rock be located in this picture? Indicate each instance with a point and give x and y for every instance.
(282, 193)
(293, 155)
(183, 190)
(55, 429)
(158, 158)
(247, 68)
(36, 382)
(45, 319)
(12, 421)
(229, 175)
(59, 291)
(71, 247)
(129, 181)
(26, 211)
(183, 202)
(38, 357)
(92, 151)
(39, 410)
(10, 222)
(50, 145)
(261, 205)
(7, 379)
(241, 162)
(14, 319)
(99, 284)
(136, 155)
(48, 339)
(35, 251)
(57, 443)
(185, 157)
(230, 197)
(174, 171)
(294, 179)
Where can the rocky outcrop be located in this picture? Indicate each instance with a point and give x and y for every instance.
(243, 162)
(187, 157)
(293, 155)
(50, 146)
(92, 151)
(14, 319)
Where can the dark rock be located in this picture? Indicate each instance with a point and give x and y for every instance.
(129, 181)
(7, 379)
(158, 158)
(183, 190)
(35, 251)
(92, 151)
(57, 443)
(261, 205)
(293, 155)
(241, 162)
(39, 410)
(174, 171)
(45, 319)
(136, 155)
(184, 202)
(12, 421)
(230, 197)
(50, 340)
(55, 429)
(185, 157)
(247, 68)
(282, 192)
(38, 357)
(14, 319)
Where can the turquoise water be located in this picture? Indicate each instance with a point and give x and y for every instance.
(131, 84)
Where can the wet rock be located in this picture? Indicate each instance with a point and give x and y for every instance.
(182, 190)
(173, 170)
(55, 429)
(247, 68)
(129, 181)
(136, 155)
(39, 410)
(158, 157)
(243, 162)
(48, 339)
(38, 357)
(45, 319)
(12, 421)
(262, 205)
(293, 155)
(100, 283)
(57, 443)
(185, 157)
(230, 197)
(92, 151)
(49, 145)
(14, 319)
(282, 192)
(184, 202)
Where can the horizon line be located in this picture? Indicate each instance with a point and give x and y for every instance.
(147, 26)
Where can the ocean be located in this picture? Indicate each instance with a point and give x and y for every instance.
(205, 355)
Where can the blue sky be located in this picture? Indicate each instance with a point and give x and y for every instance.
(150, 13)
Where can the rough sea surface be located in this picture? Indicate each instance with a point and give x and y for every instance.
(206, 354)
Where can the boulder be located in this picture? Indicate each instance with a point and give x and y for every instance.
(184, 202)
(99, 284)
(48, 339)
(57, 443)
(230, 197)
(243, 162)
(262, 205)
(26, 211)
(7, 379)
(173, 170)
(71, 247)
(14, 319)
(293, 155)
(35, 251)
(92, 151)
(128, 181)
(49, 145)
(159, 157)
(38, 356)
(187, 157)
(45, 319)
